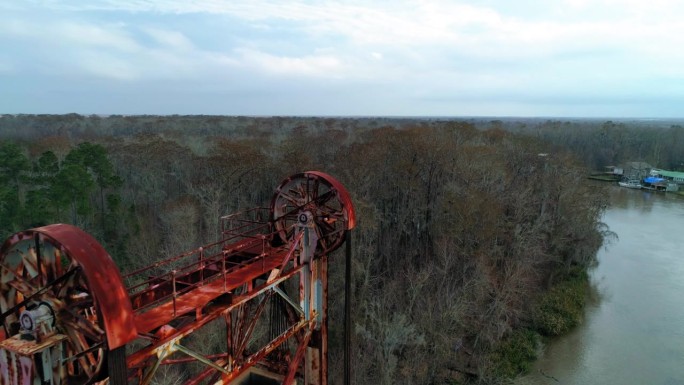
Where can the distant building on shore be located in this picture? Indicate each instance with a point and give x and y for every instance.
(636, 170)
(673, 176)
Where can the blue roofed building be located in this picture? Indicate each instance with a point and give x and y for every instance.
(673, 180)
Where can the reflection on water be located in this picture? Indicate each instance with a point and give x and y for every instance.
(635, 333)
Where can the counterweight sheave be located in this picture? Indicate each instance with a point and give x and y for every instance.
(326, 202)
(59, 285)
(68, 318)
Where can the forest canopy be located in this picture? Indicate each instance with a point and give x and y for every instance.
(461, 229)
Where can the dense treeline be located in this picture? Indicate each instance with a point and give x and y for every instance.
(26, 126)
(607, 143)
(598, 143)
(461, 231)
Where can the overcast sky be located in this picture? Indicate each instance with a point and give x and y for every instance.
(564, 58)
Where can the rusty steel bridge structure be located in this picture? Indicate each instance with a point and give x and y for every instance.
(258, 296)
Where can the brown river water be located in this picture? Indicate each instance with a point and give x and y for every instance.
(633, 332)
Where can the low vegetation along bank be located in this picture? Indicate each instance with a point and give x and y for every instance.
(556, 312)
(469, 242)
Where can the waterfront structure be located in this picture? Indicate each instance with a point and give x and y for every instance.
(636, 170)
(672, 176)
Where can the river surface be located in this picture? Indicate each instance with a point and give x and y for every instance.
(633, 333)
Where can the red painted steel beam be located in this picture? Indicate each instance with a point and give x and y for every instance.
(158, 302)
(202, 295)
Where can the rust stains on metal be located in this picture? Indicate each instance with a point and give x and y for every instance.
(262, 253)
(104, 280)
(344, 197)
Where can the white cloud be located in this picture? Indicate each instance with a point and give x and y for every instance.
(102, 64)
(311, 65)
(112, 36)
(69, 33)
(173, 40)
(407, 26)
(413, 48)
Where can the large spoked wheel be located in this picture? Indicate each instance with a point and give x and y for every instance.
(38, 273)
(319, 196)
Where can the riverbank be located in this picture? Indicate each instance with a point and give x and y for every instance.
(557, 312)
(609, 178)
(603, 177)
(631, 333)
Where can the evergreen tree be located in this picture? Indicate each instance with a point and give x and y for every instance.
(13, 168)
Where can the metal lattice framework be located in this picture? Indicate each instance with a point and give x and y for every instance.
(258, 298)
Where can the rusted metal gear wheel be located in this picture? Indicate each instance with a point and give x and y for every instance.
(319, 198)
(62, 273)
